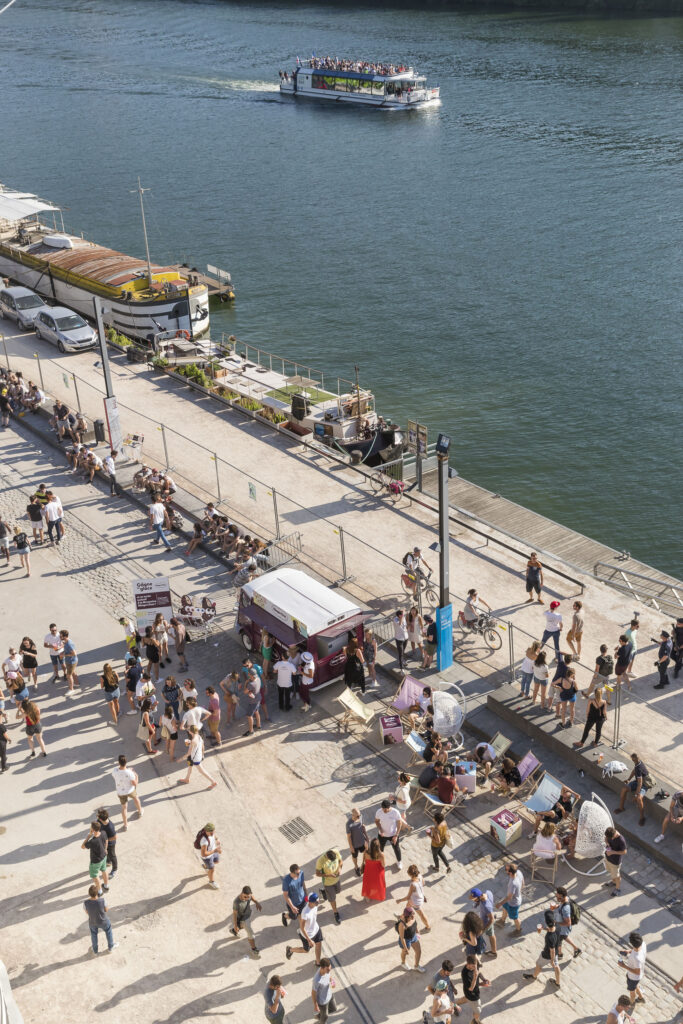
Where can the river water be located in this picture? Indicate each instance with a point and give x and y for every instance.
(506, 268)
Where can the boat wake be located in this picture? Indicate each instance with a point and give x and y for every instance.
(237, 84)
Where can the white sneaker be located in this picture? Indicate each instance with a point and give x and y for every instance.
(399, 865)
(111, 948)
(660, 838)
(419, 968)
(213, 885)
(404, 967)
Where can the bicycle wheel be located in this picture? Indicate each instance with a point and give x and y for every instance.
(431, 595)
(408, 587)
(493, 638)
(377, 482)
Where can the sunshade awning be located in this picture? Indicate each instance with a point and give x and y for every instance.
(16, 206)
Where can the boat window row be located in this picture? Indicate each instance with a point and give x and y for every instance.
(356, 85)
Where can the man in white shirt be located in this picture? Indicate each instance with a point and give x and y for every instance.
(93, 463)
(110, 469)
(618, 1014)
(485, 755)
(284, 670)
(55, 645)
(310, 932)
(194, 715)
(126, 782)
(633, 960)
(389, 823)
(53, 513)
(553, 627)
(157, 519)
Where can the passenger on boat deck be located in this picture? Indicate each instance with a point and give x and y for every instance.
(363, 66)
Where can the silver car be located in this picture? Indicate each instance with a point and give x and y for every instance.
(22, 305)
(65, 329)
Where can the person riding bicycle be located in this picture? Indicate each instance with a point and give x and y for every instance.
(472, 610)
(413, 563)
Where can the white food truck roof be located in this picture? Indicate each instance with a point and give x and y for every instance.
(298, 600)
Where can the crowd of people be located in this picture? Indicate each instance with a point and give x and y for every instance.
(18, 396)
(171, 714)
(362, 66)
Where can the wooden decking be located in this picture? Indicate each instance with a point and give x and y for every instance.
(222, 289)
(538, 533)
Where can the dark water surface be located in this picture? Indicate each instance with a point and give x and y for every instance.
(506, 268)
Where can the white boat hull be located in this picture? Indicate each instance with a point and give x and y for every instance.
(381, 103)
(136, 319)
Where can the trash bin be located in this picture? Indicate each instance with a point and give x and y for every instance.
(100, 435)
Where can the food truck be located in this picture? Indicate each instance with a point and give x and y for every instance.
(300, 612)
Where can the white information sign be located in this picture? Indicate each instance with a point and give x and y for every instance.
(111, 411)
(151, 597)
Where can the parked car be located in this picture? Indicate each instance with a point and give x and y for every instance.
(65, 329)
(22, 305)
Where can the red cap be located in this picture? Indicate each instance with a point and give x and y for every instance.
(554, 604)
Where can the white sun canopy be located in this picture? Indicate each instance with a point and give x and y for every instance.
(299, 601)
(16, 206)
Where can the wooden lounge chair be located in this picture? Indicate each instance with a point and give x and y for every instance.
(528, 768)
(501, 744)
(433, 804)
(354, 710)
(416, 745)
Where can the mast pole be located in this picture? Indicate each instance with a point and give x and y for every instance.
(358, 424)
(139, 191)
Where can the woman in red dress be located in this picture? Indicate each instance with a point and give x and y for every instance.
(374, 887)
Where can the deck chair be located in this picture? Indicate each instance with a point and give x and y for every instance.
(528, 767)
(501, 744)
(433, 804)
(416, 745)
(545, 793)
(354, 710)
(406, 695)
(545, 868)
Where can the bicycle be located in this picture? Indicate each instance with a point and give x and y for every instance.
(381, 481)
(420, 583)
(485, 626)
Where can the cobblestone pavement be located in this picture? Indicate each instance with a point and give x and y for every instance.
(301, 765)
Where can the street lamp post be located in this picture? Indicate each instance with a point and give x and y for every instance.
(444, 613)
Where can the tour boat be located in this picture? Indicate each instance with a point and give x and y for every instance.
(389, 86)
(139, 297)
(339, 414)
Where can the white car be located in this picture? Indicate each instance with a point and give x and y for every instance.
(65, 329)
(22, 305)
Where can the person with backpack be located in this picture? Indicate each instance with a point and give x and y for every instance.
(413, 562)
(483, 903)
(604, 667)
(210, 850)
(567, 914)
(23, 547)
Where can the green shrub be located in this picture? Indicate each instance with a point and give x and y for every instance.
(160, 363)
(250, 403)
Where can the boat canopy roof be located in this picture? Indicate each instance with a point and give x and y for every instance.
(15, 206)
(299, 601)
(367, 76)
(97, 263)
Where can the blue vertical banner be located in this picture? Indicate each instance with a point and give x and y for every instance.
(444, 636)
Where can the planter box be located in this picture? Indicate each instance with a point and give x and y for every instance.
(295, 428)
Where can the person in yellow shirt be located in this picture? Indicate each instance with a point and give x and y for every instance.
(328, 867)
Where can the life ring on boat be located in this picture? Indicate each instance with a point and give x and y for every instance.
(183, 334)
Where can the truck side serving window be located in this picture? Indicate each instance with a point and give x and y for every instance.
(328, 645)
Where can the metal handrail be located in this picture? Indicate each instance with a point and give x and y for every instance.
(658, 600)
